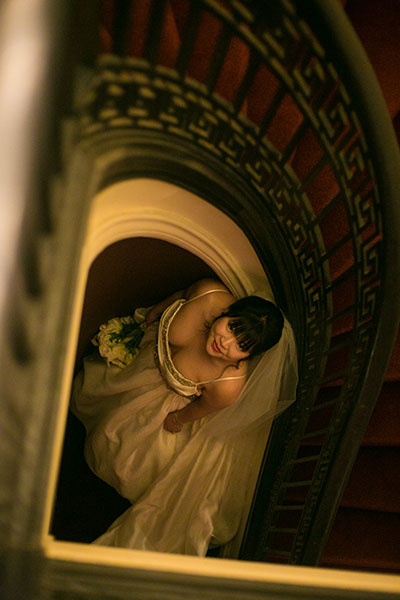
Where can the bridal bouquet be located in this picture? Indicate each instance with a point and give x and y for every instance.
(118, 340)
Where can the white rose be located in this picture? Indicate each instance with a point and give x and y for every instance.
(120, 356)
(106, 350)
(127, 320)
(112, 326)
(119, 352)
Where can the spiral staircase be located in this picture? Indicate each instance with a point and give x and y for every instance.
(271, 113)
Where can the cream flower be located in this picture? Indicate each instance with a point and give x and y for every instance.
(118, 340)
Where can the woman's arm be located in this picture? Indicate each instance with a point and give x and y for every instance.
(159, 308)
(193, 290)
(218, 397)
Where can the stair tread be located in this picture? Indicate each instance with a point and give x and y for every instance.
(393, 370)
(374, 481)
(384, 425)
(365, 539)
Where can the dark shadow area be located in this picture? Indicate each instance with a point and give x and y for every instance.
(85, 506)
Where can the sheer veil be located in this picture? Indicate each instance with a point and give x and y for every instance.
(269, 390)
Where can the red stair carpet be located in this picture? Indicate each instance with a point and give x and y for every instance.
(366, 532)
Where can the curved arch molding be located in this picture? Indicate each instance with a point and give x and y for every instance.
(150, 208)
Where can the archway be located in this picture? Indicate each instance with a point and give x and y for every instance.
(145, 239)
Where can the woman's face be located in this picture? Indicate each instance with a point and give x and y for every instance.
(221, 342)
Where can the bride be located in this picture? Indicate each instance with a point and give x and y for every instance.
(173, 430)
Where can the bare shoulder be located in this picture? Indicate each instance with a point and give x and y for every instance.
(209, 304)
(203, 286)
(223, 393)
(193, 315)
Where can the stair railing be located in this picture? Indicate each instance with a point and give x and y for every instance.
(279, 100)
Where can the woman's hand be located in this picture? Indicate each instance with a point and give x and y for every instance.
(157, 310)
(171, 422)
(151, 316)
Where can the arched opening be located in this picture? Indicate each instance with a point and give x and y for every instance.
(145, 240)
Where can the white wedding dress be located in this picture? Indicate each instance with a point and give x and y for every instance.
(187, 489)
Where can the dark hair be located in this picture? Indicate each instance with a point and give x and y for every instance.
(256, 323)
